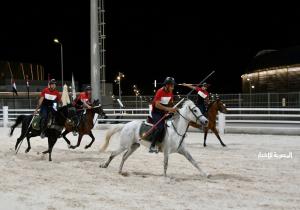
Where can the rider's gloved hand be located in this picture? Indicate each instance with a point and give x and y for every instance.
(35, 112)
(172, 110)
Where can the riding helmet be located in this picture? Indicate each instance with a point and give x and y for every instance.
(52, 81)
(169, 80)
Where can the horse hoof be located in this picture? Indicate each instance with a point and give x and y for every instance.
(224, 145)
(27, 150)
(204, 145)
(72, 147)
(124, 173)
(103, 165)
(86, 147)
(208, 176)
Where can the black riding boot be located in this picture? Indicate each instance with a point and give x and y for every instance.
(154, 138)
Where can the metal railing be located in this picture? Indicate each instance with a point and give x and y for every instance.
(236, 116)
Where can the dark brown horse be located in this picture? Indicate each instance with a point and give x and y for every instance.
(85, 126)
(213, 109)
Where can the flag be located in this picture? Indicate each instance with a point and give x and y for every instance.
(14, 87)
(73, 88)
(65, 96)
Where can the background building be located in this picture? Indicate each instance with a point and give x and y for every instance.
(273, 71)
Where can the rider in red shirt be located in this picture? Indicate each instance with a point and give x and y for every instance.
(162, 104)
(202, 96)
(47, 103)
(83, 101)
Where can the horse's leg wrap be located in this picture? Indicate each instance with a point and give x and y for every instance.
(189, 157)
(112, 156)
(127, 154)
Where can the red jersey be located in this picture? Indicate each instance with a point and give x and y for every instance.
(83, 97)
(201, 92)
(203, 96)
(50, 96)
(163, 97)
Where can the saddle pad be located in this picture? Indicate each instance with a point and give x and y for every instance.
(36, 122)
(145, 127)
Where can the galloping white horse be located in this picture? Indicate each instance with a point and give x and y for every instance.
(172, 141)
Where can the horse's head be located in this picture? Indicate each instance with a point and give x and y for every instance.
(192, 113)
(97, 108)
(221, 106)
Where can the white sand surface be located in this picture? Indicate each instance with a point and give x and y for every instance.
(73, 179)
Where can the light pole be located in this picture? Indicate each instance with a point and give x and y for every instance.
(118, 81)
(250, 90)
(61, 61)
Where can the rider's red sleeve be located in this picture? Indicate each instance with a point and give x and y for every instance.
(158, 96)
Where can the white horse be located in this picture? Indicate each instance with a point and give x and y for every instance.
(172, 141)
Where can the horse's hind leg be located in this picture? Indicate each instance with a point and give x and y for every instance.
(127, 154)
(93, 139)
(189, 157)
(218, 136)
(112, 156)
(28, 144)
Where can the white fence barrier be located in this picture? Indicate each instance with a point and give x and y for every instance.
(235, 116)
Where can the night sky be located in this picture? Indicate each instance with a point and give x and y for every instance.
(148, 40)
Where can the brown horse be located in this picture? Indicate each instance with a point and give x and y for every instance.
(213, 109)
(85, 126)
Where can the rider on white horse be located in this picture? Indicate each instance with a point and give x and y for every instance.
(162, 104)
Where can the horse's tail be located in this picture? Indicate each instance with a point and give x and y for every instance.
(109, 134)
(18, 121)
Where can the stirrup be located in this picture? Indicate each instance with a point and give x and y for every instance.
(153, 149)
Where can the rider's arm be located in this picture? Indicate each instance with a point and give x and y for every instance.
(188, 85)
(85, 104)
(39, 104)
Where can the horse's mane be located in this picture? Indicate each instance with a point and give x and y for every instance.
(187, 102)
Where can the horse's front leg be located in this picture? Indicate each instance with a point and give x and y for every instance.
(51, 143)
(218, 136)
(166, 160)
(205, 136)
(189, 157)
(93, 139)
(78, 142)
(64, 135)
(28, 143)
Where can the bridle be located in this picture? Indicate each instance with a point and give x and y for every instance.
(184, 135)
(192, 110)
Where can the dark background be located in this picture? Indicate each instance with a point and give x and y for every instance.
(148, 40)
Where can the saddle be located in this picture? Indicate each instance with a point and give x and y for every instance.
(145, 127)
